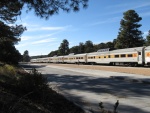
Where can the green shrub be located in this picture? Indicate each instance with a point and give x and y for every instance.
(8, 74)
(10, 70)
(33, 84)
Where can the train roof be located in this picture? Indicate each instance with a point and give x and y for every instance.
(80, 54)
(127, 50)
(147, 48)
(118, 51)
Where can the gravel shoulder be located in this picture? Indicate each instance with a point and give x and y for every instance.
(131, 70)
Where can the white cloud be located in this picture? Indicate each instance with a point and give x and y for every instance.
(46, 28)
(44, 41)
(33, 37)
(29, 25)
(21, 45)
(23, 38)
(120, 8)
(110, 20)
(145, 33)
(52, 28)
(142, 5)
(131, 5)
(117, 6)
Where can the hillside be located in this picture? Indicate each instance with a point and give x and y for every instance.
(21, 92)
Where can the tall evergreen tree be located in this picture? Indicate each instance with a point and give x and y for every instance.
(64, 48)
(89, 47)
(8, 53)
(11, 9)
(148, 39)
(81, 48)
(129, 33)
(9, 35)
(53, 53)
(74, 49)
(102, 46)
(26, 57)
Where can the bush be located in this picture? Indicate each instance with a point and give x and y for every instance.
(8, 70)
(8, 74)
(33, 84)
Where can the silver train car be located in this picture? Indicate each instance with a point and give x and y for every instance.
(129, 56)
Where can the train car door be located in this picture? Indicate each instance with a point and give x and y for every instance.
(141, 56)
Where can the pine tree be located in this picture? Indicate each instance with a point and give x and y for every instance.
(11, 9)
(81, 48)
(26, 57)
(64, 48)
(129, 34)
(89, 47)
(148, 39)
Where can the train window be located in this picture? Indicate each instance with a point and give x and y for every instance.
(94, 56)
(123, 55)
(104, 56)
(116, 56)
(99, 57)
(129, 55)
(139, 53)
(148, 54)
(108, 56)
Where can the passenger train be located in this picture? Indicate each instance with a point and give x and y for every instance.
(129, 56)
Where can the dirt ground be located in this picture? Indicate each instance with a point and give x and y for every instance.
(132, 70)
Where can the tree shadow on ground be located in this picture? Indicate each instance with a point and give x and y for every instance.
(30, 67)
(97, 85)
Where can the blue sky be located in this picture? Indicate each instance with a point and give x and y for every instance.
(100, 22)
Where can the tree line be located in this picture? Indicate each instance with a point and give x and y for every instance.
(129, 36)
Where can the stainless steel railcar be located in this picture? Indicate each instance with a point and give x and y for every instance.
(129, 56)
(78, 58)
